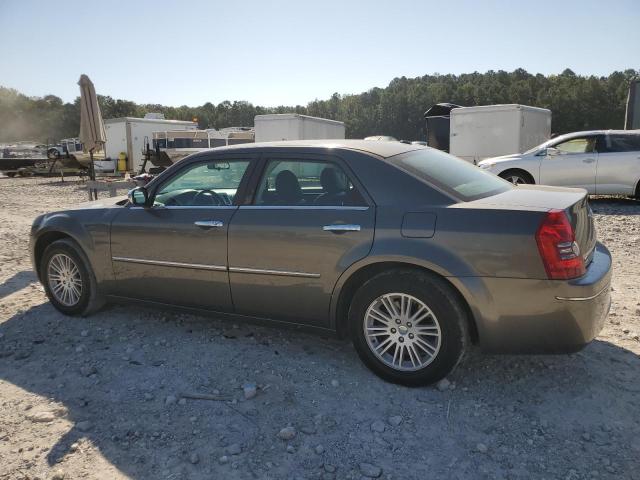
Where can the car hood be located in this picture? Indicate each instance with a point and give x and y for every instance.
(110, 202)
(502, 158)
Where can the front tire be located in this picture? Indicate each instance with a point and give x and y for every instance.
(517, 177)
(408, 327)
(68, 279)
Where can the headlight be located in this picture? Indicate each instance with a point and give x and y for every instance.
(487, 166)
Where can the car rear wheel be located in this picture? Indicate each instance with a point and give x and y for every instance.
(517, 177)
(68, 280)
(408, 327)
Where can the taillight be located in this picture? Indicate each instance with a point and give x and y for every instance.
(558, 248)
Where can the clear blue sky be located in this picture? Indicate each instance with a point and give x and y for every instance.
(291, 52)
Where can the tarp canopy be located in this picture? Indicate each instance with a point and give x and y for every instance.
(92, 132)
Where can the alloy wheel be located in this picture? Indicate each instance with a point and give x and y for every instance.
(402, 331)
(65, 280)
(515, 179)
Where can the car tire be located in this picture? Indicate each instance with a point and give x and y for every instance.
(444, 329)
(517, 177)
(68, 279)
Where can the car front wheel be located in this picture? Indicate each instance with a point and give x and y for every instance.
(517, 177)
(408, 327)
(68, 280)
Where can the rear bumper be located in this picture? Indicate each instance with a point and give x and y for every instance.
(541, 316)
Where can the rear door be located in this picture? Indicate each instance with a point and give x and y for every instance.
(571, 163)
(308, 221)
(618, 169)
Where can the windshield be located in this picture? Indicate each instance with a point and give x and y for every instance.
(451, 174)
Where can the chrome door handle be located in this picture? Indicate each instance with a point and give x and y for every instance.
(341, 228)
(589, 160)
(209, 223)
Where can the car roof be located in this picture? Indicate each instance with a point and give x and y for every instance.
(597, 132)
(375, 147)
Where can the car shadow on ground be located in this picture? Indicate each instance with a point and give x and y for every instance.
(615, 205)
(121, 375)
(17, 282)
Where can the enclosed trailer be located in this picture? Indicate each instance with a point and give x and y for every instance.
(493, 130)
(438, 124)
(292, 126)
(130, 135)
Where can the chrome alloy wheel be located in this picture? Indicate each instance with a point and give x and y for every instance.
(65, 281)
(515, 179)
(402, 331)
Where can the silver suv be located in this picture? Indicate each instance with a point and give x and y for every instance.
(604, 162)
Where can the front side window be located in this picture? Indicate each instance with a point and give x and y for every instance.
(457, 177)
(297, 183)
(204, 184)
(577, 145)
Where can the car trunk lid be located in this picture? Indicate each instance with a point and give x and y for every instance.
(573, 201)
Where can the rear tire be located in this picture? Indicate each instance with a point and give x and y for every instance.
(408, 327)
(68, 279)
(517, 177)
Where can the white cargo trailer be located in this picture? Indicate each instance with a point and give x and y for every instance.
(128, 135)
(292, 126)
(493, 130)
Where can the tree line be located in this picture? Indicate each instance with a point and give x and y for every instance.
(577, 103)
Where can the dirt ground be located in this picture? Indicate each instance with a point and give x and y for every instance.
(109, 396)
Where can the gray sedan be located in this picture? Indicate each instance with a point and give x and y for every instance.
(412, 253)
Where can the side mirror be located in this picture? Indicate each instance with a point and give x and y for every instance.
(552, 152)
(138, 197)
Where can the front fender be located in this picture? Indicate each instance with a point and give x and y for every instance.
(88, 228)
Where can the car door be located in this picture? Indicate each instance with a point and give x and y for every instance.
(175, 251)
(571, 163)
(309, 220)
(618, 170)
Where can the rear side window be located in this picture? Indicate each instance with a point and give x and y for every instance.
(623, 143)
(297, 182)
(451, 174)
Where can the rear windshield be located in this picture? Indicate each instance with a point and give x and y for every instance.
(457, 177)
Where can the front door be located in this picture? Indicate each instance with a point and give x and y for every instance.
(175, 251)
(308, 222)
(571, 163)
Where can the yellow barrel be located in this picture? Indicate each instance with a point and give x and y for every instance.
(122, 162)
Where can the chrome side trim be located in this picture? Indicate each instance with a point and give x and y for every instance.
(162, 263)
(182, 207)
(283, 273)
(582, 299)
(300, 207)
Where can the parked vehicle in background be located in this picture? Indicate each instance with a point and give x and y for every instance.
(411, 252)
(604, 162)
(488, 131)
(131, 136)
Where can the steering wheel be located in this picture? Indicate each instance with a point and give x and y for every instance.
(207, 197)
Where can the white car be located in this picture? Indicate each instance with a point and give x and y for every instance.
(604, 162)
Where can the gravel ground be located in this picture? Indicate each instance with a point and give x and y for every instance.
(113, 395)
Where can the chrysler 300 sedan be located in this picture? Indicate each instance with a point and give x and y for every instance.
(412, 253)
